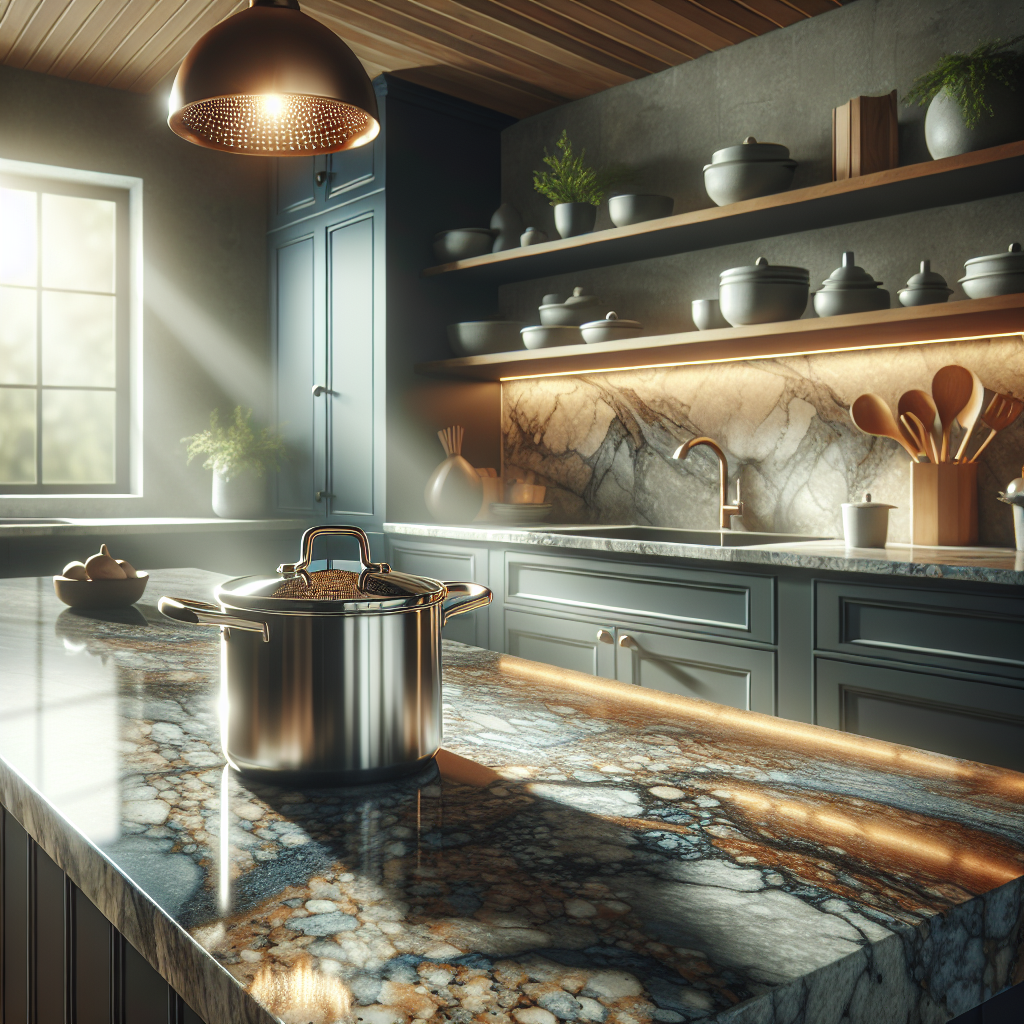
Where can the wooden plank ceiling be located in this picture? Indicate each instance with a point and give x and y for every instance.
(517, 56)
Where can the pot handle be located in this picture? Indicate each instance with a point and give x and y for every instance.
(200, 613)
(306, 548)
(463, 597)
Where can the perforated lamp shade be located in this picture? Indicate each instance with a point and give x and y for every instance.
(271, 81)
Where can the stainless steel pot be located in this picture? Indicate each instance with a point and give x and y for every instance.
(330, 677)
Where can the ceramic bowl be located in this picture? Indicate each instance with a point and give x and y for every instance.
(836, 302)
(576, 310)
(95, 594)
(544, 336)
(999, 274)
(520, 513)
(634, 209)
(734, 182)
(707, 314)
(763, 294)
(610, 329)
(462, 244)
(478, 337)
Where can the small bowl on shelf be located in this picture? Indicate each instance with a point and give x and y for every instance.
(462, 244)
(707, 315)
(480, 337)
(539, 336)
(520, 512)
(635, 209)
(96, 594)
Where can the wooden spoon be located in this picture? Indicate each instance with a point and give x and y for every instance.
(952, 387)
(870, 413)
(968, 417)
(914, 432)
(1001, 412)
(921, 405)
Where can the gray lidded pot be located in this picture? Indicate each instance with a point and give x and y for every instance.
(999, 274)
(763, 294)
(925, 288)
(748, 171)
(849, 289)
(577, 309)
(866, 523)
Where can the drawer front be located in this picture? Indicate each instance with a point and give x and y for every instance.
(442, 562)
(968, 718)
(922, 627)
(565, 643)
(742, 677)
(725, 604)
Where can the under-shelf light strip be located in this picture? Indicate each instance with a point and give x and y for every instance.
(751, 358)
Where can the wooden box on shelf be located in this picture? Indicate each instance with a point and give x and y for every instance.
(865, 136)
(944, 503)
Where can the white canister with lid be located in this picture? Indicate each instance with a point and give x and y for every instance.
(866, 523)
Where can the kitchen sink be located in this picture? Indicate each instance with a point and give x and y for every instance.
(670, 535)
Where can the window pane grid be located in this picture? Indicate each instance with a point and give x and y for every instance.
(60, 430)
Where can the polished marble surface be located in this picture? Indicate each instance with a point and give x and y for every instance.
(974, 564)
(587, 851)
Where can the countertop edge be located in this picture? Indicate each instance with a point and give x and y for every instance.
(800, 556)
(142, 525)
(195, 975)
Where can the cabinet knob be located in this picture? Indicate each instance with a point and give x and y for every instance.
(320, 495)
(321, 177)
(628, 642)
(320, 389)
(604, 636)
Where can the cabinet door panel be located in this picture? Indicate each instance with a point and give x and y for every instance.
(350, 170)
(293, 186)
(740, 677)
(467, 565)
(350, 341)
(294, 288)
(565, 643)
(968, 718)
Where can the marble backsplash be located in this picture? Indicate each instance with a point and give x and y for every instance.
(603, 443)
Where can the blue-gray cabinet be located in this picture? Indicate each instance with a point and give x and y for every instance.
(350, 314)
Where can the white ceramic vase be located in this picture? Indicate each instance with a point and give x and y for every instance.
(946, 134)
(242, 496)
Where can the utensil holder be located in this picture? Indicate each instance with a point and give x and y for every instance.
(944, 503)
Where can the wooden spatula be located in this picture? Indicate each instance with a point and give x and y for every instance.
(921, 405)
(968, 416)
(951, 391)
(1001, 412)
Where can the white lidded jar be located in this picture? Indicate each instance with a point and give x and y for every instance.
(866, 523)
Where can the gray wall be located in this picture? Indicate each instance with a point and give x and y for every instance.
(780, 87)
(205, 339)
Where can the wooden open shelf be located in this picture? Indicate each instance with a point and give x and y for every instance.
(957, 179)
(951, 321)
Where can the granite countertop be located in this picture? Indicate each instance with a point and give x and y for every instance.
(972, 564)
(585, 850)
(29, 527)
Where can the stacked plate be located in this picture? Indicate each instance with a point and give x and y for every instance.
(534, 512)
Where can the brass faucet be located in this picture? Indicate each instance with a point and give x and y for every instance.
(727, 510)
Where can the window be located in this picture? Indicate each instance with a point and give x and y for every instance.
(64, 337)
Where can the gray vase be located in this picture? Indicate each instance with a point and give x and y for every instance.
(243, 496)
(946, 134)
(574, 218)
(508, 225)
(454, 491)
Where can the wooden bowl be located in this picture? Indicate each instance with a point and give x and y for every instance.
(100, 593)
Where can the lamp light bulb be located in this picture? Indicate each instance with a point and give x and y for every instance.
(273, 105)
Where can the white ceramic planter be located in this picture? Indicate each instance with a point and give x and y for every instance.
(244, 496)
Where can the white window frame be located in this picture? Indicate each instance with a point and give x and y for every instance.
(41, 174)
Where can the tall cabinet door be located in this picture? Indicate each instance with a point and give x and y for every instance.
(297, 301)
(350, 402)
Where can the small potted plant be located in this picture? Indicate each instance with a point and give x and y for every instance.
(240, 457)
(974, 99)
(573, 188)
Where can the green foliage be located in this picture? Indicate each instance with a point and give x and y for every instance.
(571, 180)
(231, 449)
(964, 76)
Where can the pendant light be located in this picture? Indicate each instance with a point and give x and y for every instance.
(271, 81)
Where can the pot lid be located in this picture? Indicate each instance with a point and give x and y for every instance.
(762, 270)
(580, 298)
(750, 150)
(927, 280)
(552, 299)
(1012, 259)
(331, 591)
(866, 502)
(611, 319)
(848, 276)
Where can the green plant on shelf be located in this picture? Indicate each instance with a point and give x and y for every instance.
(965, 76)
(237, 447)
(571, 180)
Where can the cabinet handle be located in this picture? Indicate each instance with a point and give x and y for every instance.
(320, 389)
(320, 495)
(604, 636)
(321, 177)
(628, 642)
